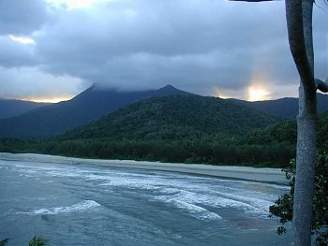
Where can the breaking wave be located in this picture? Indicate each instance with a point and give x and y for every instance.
(81, 206)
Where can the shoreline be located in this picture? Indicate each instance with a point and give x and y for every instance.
(253, 174)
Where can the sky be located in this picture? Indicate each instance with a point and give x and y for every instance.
(51, 50)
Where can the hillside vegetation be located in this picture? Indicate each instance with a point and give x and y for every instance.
(175, 118)
(180, 128)
(184, 128)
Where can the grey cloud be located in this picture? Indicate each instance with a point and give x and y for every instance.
(148, 42)
(159, 27)
(197, 45)
(14, 54)
(21, 17)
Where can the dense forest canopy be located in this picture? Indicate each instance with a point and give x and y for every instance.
(189, 129)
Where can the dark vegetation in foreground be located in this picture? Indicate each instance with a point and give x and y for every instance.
(35, 241)
(283, 207)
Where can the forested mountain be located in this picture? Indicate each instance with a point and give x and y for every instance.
(32, 121)
(88, 106)
(175, 118)
(182, 128)
(10, 108)
(285, 108)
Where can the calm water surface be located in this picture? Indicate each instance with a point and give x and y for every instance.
(96, 205)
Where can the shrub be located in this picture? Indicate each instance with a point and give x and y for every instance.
(283, 207)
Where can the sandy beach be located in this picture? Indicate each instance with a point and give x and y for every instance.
(266, 175)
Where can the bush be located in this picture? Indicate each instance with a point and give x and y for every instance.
(4, 242)
(37, 241)
(283, 207)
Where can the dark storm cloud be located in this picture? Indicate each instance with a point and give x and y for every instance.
(133, 44)
(21, 17)
(197, 45)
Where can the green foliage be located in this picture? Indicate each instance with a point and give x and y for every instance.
(38, 241)
(184, 128)
(4, 242)
(174, 118)
(283, 207)
(322, 131)
(35, 241)
(282, 132)
(200, 130)
(285, 132)
(205, 150)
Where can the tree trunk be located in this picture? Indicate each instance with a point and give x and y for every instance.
(306, 141)
(305, 168)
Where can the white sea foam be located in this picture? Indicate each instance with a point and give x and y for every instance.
(185, 194)
(196, 211)
(196, 195)
(63, 174)
(212, 199)
(81, 206)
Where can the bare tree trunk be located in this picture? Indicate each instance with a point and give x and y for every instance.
(305, 168)
(299, 23)
(306, 140)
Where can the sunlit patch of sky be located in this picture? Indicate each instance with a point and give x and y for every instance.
(74, 4)
(22, 39)
(47, 99)
(258, 93)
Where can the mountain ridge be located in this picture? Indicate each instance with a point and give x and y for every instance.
(86, 107)
(14, 107)
(285, 108)
(94, 103)
(174, 117)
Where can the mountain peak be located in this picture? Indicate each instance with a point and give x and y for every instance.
(169, 86)
(170, 90)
